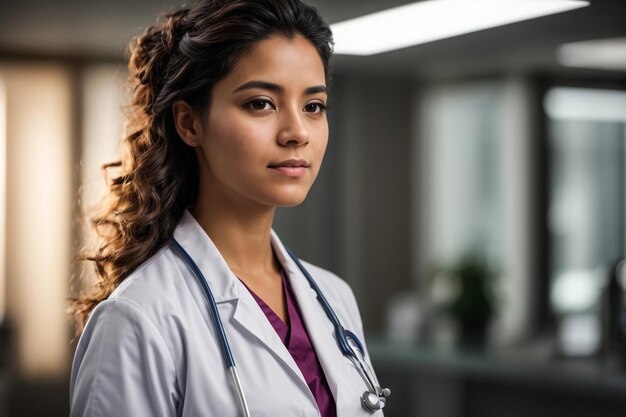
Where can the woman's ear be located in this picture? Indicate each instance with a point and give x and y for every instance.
(187, 122)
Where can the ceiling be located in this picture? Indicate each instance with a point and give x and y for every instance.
(88, 29)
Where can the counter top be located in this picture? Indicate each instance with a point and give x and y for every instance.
(519, 366)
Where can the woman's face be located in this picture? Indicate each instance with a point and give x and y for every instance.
(266, 131)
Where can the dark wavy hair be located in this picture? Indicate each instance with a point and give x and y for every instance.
(181, 57)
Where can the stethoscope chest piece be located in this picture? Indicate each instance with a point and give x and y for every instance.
(370, 401)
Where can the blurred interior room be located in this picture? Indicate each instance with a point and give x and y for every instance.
(473, 195)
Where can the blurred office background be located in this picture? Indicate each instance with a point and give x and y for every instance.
(473, 195)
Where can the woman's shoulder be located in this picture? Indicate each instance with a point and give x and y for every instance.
(338, 293)
(328, 281)
(130, 328)
(144, 303)
(155, 280)
(155, 291)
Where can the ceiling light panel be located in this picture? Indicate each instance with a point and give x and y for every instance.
(609, 54)
(431, 20)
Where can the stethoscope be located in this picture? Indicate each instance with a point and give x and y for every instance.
(349, 344)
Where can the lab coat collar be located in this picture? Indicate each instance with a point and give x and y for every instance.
(320, 328)
(305, 294)
(192, 237)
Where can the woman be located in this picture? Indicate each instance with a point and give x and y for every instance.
(228, 122)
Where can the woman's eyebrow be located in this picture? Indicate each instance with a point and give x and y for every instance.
(265, 85)
(316, 89)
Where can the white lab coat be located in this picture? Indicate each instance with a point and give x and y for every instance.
(150, 349)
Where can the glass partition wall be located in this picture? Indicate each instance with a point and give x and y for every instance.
(586, 137)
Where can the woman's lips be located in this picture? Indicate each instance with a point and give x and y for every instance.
(290, 167)
(290, 171)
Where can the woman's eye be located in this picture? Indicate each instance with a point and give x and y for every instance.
(315, 108)
(259, 104)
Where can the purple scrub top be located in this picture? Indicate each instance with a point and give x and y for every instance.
(296, 339)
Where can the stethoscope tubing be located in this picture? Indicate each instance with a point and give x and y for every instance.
(217, 321)
(341, 333)
(243, 403)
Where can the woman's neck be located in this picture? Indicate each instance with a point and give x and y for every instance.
(241, 234)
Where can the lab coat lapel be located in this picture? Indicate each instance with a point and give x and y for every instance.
(251, 318)
(225, 286)
(320, 328)
(194, 240)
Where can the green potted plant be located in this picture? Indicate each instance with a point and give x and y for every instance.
(470, 299)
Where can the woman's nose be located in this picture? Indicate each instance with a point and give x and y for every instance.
(293, 130)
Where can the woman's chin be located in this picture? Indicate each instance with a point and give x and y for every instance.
(291, 199)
